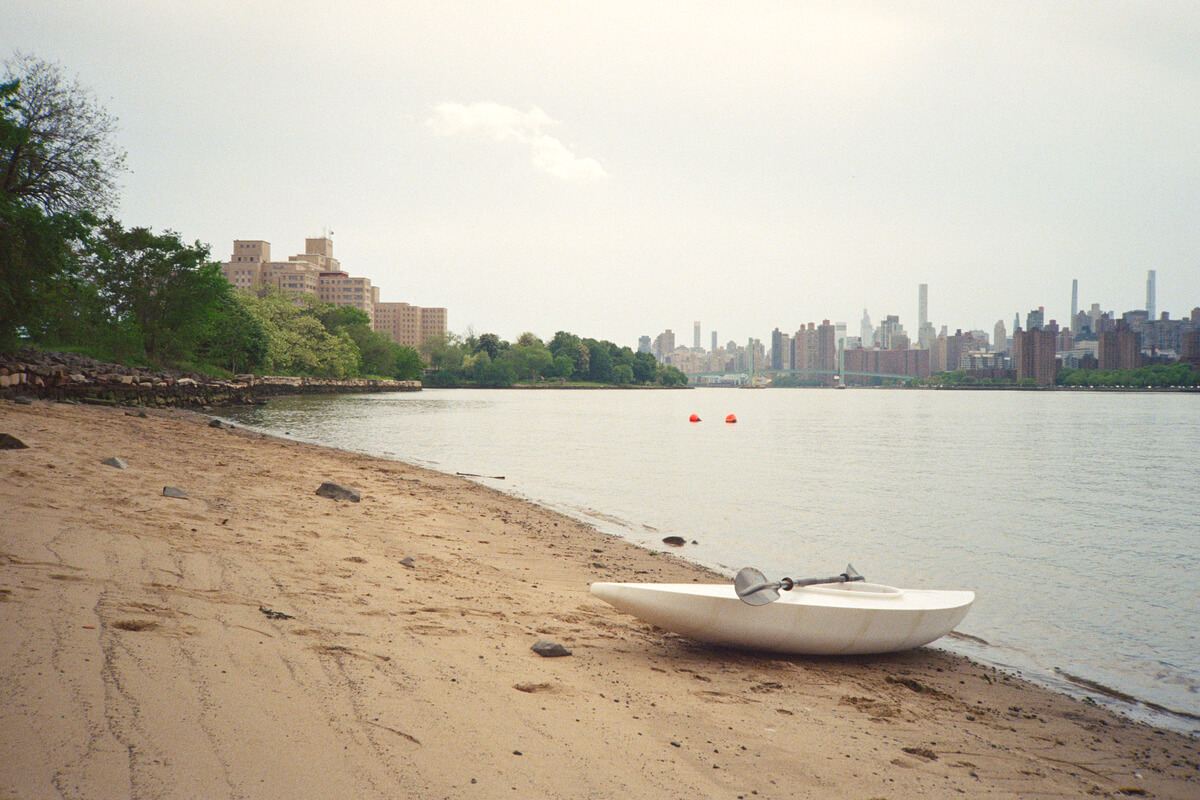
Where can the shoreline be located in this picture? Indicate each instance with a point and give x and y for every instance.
(1013, 659)
(138, 659)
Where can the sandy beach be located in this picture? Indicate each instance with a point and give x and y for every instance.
(256, 640)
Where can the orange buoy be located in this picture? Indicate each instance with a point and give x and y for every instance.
(694, 418)
(731, 418)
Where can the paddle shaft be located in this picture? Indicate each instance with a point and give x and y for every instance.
(787, 583)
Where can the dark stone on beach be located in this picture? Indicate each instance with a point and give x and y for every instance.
(407, 561)
(171, 491)
(548, 649)
(115, 461)
(22, 401)
(335, 492)
(273, 614)
(675, 541)
(216, 423)
(10, 442)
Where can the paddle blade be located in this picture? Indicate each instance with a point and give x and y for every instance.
(852, 574)
(753, 587)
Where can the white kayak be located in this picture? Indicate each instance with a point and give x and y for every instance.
(840, 619)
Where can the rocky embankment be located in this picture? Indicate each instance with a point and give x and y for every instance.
(67, 376)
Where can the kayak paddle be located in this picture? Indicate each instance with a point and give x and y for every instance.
(754, 589)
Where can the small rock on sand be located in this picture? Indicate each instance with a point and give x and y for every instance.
(10, 442)
(115, 461)
(549, 649)
(337, 492)
(171, 491)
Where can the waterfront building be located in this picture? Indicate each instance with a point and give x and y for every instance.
(1120, 348)
(1065, 340)
(778, 360)
(644, 344)
(866, 330)
(814, 347)
(1034, 356)
(696, 335)
(890, 335)
(937, 353)
(316, 273)
(1000, 337)
(409, 325)
(1189, 349)
(904, 363)
(827, 346)
(664, 345)
(1081, 354)
(1035, 318)
(714, 341)
(339, 288)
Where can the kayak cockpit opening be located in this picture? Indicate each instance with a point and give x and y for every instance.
(857, 587)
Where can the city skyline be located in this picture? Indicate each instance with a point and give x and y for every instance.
(912, 327)
(539, 166)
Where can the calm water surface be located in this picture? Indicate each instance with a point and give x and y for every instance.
(1072, 516)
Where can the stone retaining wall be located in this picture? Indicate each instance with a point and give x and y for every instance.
(66, 376)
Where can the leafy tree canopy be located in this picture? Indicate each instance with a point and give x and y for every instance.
(56, 149)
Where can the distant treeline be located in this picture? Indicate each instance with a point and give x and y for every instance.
(487, 360)
(1156, 375)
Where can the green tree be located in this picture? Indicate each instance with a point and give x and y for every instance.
(56, 166)
(56, 151)
(442, 352)
(622, 374)
(37, 257)
(670, 376)
(600, 362)
(236, 339)
(168, 290)
(644, 367)
(528, 339)
(562, 367)
(338, 317)
(297, 342)
(409, 366)
(489, 343)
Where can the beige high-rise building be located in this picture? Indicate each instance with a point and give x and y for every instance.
(408, 324)
(316, 272)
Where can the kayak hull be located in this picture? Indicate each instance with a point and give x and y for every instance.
(840, 619)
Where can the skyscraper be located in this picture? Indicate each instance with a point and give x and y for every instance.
(1074, 302)
(696, 336)
(922, 305)
(868, 332)
(1151, 312)
(999, 337)
(714, 342)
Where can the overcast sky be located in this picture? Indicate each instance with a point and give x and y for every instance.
(614, 169)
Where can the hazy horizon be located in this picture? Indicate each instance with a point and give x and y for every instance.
(616, 169)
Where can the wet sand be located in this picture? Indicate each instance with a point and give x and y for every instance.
(255, 640)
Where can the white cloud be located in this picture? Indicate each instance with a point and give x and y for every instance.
(505, 124)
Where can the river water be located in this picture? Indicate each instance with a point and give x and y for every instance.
(1072, 515)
